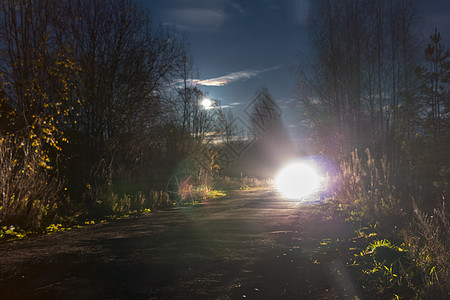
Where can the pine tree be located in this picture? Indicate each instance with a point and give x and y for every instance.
(435, 77)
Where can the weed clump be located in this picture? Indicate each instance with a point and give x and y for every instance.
(413, 258)
(428, 242)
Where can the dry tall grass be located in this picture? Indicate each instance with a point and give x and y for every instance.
(367, 183)
(115, 203)
(428, 242)
(256, 182)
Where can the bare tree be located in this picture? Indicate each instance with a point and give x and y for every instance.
(360, 93)
(126, 67)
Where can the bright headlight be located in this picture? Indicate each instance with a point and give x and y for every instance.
(297, 180)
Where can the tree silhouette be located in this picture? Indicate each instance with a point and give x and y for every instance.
(272, 145)
(435, 77)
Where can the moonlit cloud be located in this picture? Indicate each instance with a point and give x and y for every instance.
(232, 77)
(226, 79)
(196, 15)
(191, 19)
(231, 105)
(238, 7)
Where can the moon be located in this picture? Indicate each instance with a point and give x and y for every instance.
(207, 103)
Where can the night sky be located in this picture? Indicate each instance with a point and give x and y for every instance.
(240, 46)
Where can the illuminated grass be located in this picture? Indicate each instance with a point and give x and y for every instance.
(11, 233)
(249, 188)
(199, 194)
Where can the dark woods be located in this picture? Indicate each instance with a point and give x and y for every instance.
(376, 84)
(91, 104)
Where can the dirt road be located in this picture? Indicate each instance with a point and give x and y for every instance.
(250, 244)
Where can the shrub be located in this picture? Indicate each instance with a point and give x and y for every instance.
(28, 191)
(386, 270)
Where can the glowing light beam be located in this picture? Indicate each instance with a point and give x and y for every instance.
(297, 180)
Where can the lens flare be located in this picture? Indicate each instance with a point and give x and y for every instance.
(297, 180)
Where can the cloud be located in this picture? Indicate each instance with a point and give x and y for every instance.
(197, 15)
(197, 19)
(232, 77)
(238, 7)
(231, 105)
(226, 79)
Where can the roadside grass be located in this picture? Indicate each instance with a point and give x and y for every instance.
(372, 260)
(404, 262)
(394, 252)
(198, 194)
(11, 233)
(110, 207)
(244, 183)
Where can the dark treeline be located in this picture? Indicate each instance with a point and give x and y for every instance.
(376, 97)
(377, 83)
(93, 101)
